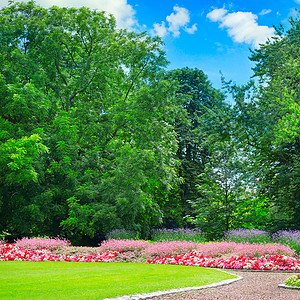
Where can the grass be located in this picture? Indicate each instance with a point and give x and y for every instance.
(68, 280)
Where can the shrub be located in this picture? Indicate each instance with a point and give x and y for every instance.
(293, 281)
(253, 250)
(42, 243)
(122, 245)
(248, 236)
(169, 248)
(148, 249)
(121, 234)
(291, 238)
(179, 234)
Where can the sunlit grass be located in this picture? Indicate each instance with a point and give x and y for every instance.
(67, 280)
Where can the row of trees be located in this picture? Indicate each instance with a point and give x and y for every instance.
(95, 134)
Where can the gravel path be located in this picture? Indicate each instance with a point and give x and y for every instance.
(253, 286)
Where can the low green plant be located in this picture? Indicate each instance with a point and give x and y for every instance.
(293, 281)
(252, 236)
(288, 237)
(74, 280)
(3, 236)
(178, 234)
(122, 234)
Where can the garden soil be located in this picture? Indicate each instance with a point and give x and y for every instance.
(253, 286)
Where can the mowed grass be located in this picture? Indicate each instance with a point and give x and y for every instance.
(74, 280)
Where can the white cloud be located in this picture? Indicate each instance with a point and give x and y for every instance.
(265, 11)
(159, 29)
(217, 14)
(242, 26)
(123, 12)
(177, 20)
(191, 30)
(297, 1)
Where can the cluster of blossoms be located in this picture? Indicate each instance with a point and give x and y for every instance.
(265, 262)
(42, 243)
(208, 249)
(226, 255)
(245, 249)
(123, 245)
(12, 252)
(150, 249)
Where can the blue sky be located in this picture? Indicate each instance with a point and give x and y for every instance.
(214, 36)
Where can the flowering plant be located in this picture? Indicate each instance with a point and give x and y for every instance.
(13, 252)
(245, 249)
(265, 262)
(122, 234)
(191, 258)
(123, 245)
(42, 243)
(179, 234)
(248, 236)
(293, 281)
(288, 237)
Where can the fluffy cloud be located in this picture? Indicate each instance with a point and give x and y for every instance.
(191, 30)
(123, 12)
(177, 20)
(297, 1)
(217, 14)
(160, 29)
(242, 26)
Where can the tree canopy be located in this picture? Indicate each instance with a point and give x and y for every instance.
(96, 134)
(87, 134)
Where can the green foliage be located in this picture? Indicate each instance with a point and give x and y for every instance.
(268, 119)
(194, 127)
(179, 234)
(86, 124)
(293, 281)
(219, 206)
(121, 234)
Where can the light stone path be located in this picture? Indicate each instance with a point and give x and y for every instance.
(253, 286)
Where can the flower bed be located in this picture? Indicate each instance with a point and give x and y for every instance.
(42, 243)
(245, 249)
(215, 255)
(265, 262)
(12, 252)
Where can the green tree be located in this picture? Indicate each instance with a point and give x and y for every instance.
(96, 100)
(268, 118)
(194, 127)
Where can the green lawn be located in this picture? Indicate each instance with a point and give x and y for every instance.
(72, 280)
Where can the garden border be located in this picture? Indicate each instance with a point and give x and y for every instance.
(187, 289)
(289, 287)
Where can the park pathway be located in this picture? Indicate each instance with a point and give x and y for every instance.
(253, 286)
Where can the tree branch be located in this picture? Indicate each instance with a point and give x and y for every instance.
(59, 72)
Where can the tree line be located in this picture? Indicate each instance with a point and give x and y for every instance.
(96, 134)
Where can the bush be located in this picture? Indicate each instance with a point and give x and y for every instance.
(122, 234)
(169, 248)
(122, 245)
(179, 234)
(293, 281)
(42, 243)
(291, 238)
(253, 250)
(248, 236)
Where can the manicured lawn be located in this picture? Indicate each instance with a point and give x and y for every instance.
(73, 280)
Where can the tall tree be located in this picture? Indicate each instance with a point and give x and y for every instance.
(270, 125)
(88, 120)
(201, 103)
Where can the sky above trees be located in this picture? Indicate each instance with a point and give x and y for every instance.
(214, 36)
